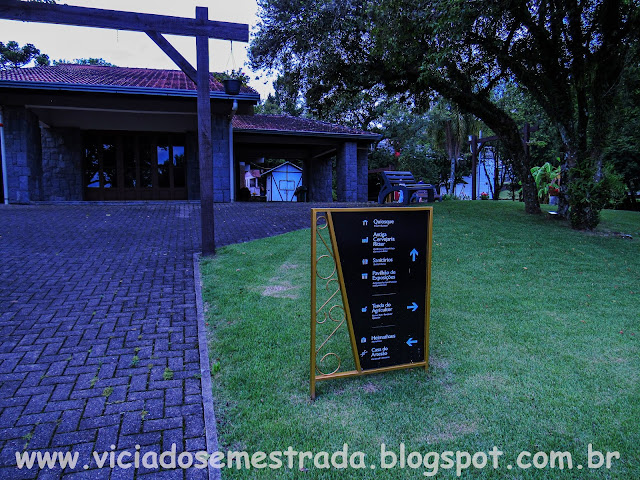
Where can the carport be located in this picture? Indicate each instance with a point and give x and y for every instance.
(317, 144)
(76, 132)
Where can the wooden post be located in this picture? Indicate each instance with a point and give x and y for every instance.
(474, 166)
(205, 151)
(496, 176)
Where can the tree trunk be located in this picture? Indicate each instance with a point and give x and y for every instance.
(580, 174)
(570, 160)
(522, 162)
(530, 193)
(451, 151)
(452, 177)
(563, 195)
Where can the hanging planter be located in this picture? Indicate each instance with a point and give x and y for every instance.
(232, 86)
(233, 82)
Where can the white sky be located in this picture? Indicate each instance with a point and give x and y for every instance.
(135, 49)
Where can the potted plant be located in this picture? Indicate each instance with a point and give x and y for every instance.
(484, 196)
(544, 176)
(233, 82)
(232, 86)
(554, 191)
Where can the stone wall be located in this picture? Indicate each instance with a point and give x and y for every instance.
(363, 174)
(347, 172)
(221, 165)
(61, 164)
(317, 176)
(24, 155)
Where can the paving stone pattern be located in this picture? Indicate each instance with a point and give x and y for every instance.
(98, 338)
(98, 333)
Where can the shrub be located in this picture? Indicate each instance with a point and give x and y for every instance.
(587, 197)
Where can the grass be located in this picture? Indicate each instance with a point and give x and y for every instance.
(535, 332)
(107, 392)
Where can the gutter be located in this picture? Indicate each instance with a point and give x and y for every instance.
(304, 133)
(232, 163)
(3, 154)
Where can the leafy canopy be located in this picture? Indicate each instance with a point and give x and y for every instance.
(12, 55)
(567, 56)
(101, 62)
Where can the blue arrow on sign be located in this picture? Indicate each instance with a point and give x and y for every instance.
(411, 342)
(413, 307)
(414, 254)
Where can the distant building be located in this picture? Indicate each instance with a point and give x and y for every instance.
(251, 179)
(487, 163)
(282, 182)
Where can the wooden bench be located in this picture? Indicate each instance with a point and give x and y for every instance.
(404, 182)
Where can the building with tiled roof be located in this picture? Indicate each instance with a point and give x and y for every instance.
(286, 124)
(82, 132)
(93, 78)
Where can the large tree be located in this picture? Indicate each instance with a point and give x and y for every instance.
(567, 55)
(622, 148)
(12, 55)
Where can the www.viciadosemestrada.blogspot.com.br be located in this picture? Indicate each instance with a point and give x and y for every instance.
(428, 463)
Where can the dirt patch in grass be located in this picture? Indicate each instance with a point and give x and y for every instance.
(608, 234)
(281, 290)
(452, 431)
(288, 266)
(370, 387)
(439, 363)
(278, 287)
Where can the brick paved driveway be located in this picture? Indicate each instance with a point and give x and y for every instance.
(98, 340)
(98, 333)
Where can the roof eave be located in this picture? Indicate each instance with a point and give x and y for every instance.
(306, 133)
(264, 174)
(159, 92)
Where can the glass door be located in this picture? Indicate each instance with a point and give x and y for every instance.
(127, 166)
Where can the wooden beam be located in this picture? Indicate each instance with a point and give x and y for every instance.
(118, 20)
(266, 139)
(205, 150)
(294, 153)
(174, 55)
(331, 151)
(474, 166)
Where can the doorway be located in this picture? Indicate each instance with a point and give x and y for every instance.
(134, 166)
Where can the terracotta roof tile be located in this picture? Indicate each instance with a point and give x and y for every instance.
(286, 123)
(81, 75)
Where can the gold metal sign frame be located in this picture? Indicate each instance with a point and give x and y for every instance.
(330, 313)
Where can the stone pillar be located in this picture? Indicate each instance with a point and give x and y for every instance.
(306, 172)
(193, 166)
(24, 155)
(347, 172)
(363, 174)
(61, 164)
(221, 163)
(318, 173)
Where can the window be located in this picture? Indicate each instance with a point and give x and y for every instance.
(286, 185)
(143, 166)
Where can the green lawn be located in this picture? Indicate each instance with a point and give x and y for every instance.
(535, 345)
